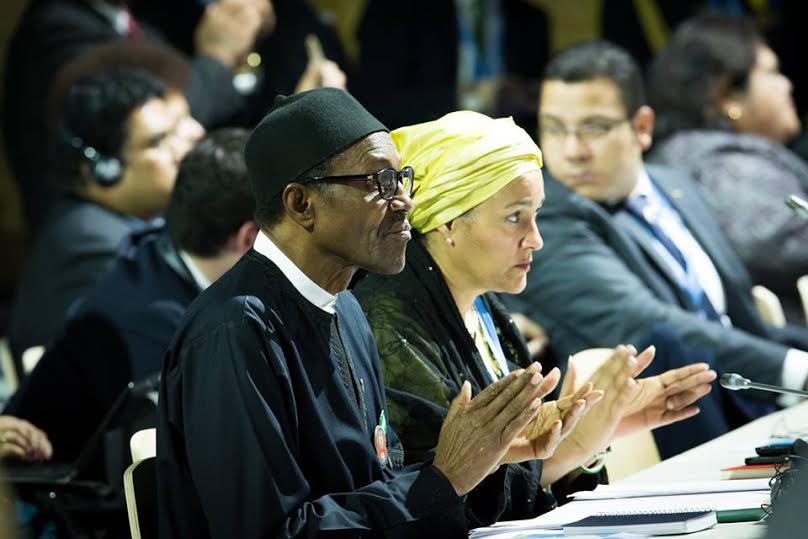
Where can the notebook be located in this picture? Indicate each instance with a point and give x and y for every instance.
(753, 471)
(644, 523)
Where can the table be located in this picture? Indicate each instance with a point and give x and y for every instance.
(704, 463)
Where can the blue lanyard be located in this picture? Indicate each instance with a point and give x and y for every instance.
(491, 333)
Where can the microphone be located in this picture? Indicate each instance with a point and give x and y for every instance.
(798, 205)
(735, 382)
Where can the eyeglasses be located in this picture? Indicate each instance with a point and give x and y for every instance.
(586, 133)
(387, 180)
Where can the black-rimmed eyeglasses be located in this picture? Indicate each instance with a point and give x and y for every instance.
(387, 180)
(587, 132)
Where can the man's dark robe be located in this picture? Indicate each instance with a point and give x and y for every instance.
(261, 430)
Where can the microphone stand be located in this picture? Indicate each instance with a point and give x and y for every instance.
(777, 389)
(736, 382)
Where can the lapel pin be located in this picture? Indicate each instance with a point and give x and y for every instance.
(380, 440)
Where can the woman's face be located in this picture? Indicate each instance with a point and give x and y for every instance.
(767, 108)
(494, 243)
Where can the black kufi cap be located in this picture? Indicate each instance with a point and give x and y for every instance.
(301, 131)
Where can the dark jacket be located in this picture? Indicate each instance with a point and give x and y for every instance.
(598, 281)
(427, 354)
(118, 334)
(745, 179)
(75, 247)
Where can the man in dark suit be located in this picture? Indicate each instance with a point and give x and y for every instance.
(120, 143)
(120, 332)
(628, 246)
(52, 33)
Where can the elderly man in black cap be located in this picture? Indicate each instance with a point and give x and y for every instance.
(272, 418)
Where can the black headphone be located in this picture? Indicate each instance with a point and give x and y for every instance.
(106, 170)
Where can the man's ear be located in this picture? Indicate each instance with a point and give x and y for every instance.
(297, 202)
(643, 124)
(245, 236)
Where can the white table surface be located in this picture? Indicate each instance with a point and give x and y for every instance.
(704, 463)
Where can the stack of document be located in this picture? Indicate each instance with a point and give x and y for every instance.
(620, 498)
(634, 490)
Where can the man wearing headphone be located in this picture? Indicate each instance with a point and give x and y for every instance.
(114, 160)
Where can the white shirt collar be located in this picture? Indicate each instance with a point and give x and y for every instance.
(302, 283)
(201, 281)
(643, 187)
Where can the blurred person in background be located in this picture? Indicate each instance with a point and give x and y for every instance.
(724, 113)
(120, 332)
(115, 158)
(52, 33)
(20, 440)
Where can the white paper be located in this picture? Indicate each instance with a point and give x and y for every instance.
(577, 510)
(494, 533)
(544, 534)
(603, 492)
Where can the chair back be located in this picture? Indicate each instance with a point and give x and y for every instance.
(140, 488)
(802, 288)
(629, 454)
(30, 358)
(143, 444)
(7, 366)
(768, 306)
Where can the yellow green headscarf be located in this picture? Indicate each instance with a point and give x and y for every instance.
(461, 160)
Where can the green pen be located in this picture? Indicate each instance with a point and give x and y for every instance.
(739, 515)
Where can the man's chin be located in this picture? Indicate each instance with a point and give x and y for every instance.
(389, 266)
(392, 269)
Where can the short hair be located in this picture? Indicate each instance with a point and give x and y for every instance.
(212, 196)
(162, 62)
(592, 60)
(707, 55)
(97, 110)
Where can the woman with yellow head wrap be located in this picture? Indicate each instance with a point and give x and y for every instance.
(477, 189)
(460, 161)
(435, 324)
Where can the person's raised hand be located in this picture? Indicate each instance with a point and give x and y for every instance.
(19, 439)
(555, 420)
(666, 398)
(320, 72)
(478, 432)
(615, 377)
(229, 28)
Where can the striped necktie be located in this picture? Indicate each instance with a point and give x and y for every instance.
(637, 206)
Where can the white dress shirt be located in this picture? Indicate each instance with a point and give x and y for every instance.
(302, 283)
